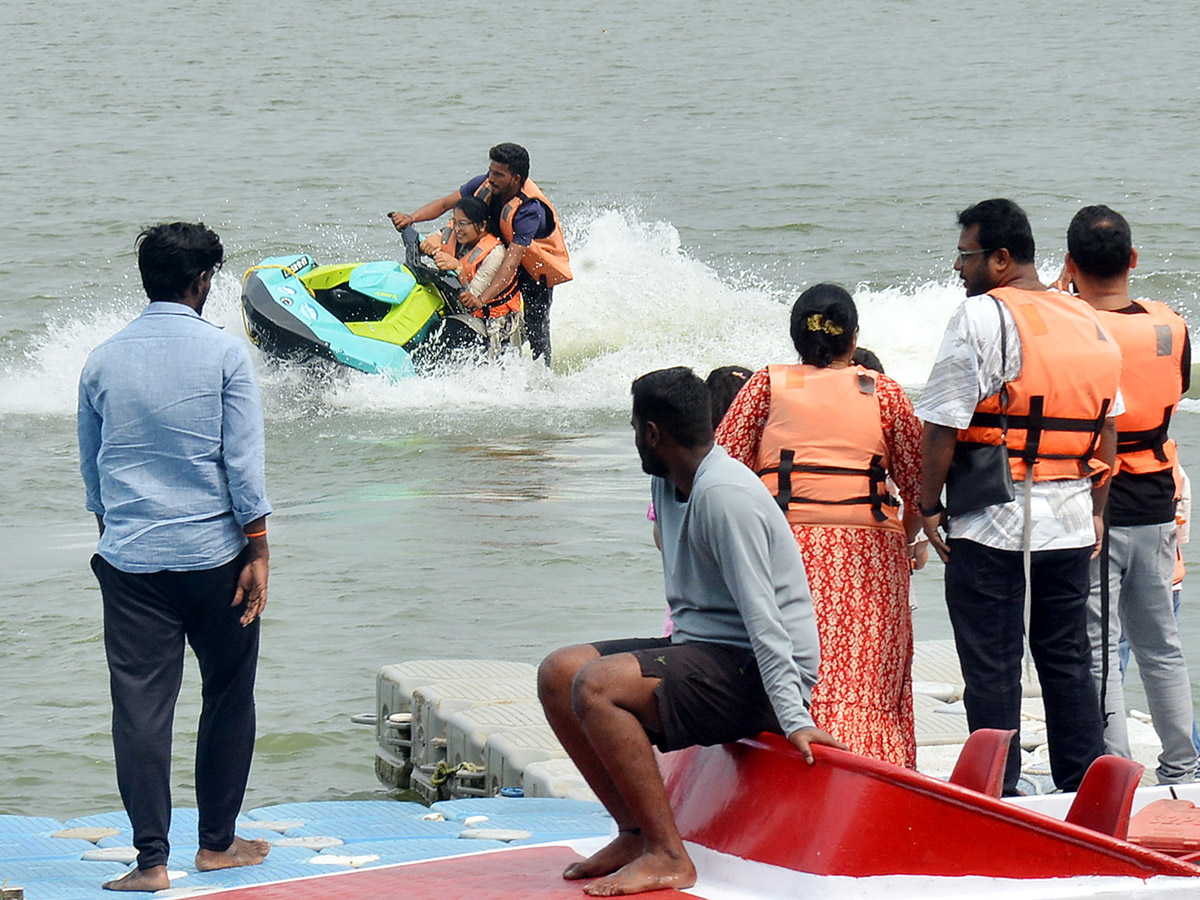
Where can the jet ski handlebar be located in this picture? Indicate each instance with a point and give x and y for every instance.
(446, 282)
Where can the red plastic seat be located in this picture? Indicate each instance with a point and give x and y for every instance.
(1105, 796)
(980, 765)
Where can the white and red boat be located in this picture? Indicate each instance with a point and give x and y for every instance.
(761, 823)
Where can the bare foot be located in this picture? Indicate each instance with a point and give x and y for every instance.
(240, 853)
(624, 848)
(649, 872)
(152, 879)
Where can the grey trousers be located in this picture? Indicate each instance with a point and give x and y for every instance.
(1141, 563)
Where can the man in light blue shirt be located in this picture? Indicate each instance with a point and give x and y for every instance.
(171, 452)
(742, 659)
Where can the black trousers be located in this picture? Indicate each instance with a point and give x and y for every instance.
(147, 617)
(536, 298)
(985, 596)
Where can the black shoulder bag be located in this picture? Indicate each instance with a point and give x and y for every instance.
(979, 474)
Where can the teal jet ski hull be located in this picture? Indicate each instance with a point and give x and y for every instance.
(371, 316)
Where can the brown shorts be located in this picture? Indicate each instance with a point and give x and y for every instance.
(707, 693)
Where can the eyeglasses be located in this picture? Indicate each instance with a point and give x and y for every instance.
(963, 254)
(461, 223)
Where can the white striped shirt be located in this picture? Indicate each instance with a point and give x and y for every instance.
(967, 370)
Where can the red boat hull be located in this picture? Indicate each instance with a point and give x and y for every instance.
(848, 815)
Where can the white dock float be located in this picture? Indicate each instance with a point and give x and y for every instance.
(555, 778)
(394, 688)
(433, 703)
(507, 753)
(936, 672)
(936, 723)
(408, 676)
(467, 731)
(458, 728)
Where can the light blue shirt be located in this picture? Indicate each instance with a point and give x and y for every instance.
(734, 575)
(171, 442)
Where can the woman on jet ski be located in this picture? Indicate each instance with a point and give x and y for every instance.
(467, 247)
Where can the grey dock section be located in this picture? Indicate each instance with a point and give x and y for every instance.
(456, 729)
(941, 721)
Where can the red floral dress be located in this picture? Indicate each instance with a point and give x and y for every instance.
(859, 580)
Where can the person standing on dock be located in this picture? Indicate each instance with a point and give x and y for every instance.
(530, 229)
(829, 438)
(171, 450)
(742, 658)
(1155, 374)
(1019, 428)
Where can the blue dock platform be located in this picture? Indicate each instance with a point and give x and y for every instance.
(54, 860)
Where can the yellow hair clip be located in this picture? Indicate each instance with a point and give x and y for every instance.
(817, 322)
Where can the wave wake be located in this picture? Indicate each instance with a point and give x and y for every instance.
(638, 302)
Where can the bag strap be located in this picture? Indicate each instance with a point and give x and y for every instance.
(1003, 370)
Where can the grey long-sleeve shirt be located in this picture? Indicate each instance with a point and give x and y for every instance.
(734, 575)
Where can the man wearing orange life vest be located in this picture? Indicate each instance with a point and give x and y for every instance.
(1156, 358)
(467, 247)
(1032, 370)
(528, 226)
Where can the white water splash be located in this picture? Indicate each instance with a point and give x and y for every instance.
(638, 302)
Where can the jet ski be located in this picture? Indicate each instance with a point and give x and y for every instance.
(379, 317)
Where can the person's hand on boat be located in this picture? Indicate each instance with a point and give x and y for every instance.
(431, 245)
(401, 220)
(470, 301)
(444, 261)
(803, 739)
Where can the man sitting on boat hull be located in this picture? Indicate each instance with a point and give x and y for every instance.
(742, 658)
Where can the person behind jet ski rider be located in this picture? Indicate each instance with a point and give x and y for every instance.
(528, 225)
(466, 246)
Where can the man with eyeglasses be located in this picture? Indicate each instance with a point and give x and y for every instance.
(1025, 386)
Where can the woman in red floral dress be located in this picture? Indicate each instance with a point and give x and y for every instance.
(831, 433)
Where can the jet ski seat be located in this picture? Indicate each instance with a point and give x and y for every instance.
(385, 280)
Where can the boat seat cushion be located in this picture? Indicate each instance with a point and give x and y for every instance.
(385, 280)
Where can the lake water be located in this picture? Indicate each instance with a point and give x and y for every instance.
(709, 162)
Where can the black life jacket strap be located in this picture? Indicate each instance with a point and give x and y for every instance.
(1149, 439)
(1036, 423)
(1048, 423)
(507, 294)
(877, 502)
(783, 493)
(1100, 419)
(875, 473)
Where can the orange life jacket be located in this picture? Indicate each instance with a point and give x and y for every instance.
(509, 299)
(822, 453)
(1151, 380)
(1055, 408)
(546, 258)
